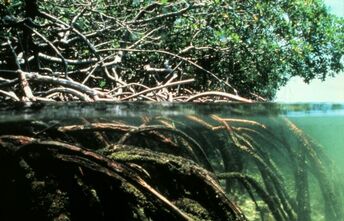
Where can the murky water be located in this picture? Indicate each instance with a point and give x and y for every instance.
(276, 162)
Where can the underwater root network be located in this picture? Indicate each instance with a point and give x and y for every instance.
(162, 169)
(53, 180)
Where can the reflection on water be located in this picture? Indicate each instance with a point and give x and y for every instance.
(276, 162)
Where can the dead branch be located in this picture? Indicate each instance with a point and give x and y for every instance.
(221, 94)
(158, 87)
(10, 94)
(65, 82)
(71, 91)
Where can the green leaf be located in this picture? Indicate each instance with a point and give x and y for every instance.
(102, 83)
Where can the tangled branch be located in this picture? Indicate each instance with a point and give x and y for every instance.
(92, 56)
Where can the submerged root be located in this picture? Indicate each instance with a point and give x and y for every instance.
(252, 185)
(75, 173)
(162, 169)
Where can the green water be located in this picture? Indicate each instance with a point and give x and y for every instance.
(329, 132)
(294, 153)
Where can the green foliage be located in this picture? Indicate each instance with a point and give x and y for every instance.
(102, 83)
(267, 42)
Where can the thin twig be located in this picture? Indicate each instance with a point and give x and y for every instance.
(176, 56)
(161, 16)
(64, 62)
(158, 87)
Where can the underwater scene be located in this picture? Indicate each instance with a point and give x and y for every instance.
(170, 161)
